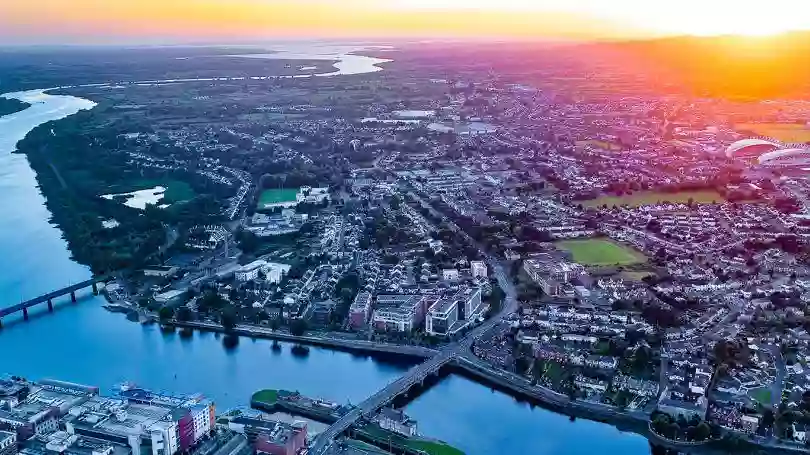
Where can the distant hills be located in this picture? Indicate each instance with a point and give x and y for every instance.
(727, 66)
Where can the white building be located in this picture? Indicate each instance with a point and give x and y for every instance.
(274, 272)
(451, 314)
(395, 420)
(478, 269)
(249, 272)
(450, 275)
(159, 271)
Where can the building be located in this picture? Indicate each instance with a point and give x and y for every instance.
(449, 315)
(360, 310)
(312, 195)
(786, 158)
(450, 275)
(38, 413)
(274, 272)
(8, 443)
(143, 420)
(321, 312)
(478, 269)
(400, 313)
(270, 436)
(397, 421)
(159, 271)
(249, 272)
(748, 148)
(683, 403)
(170, 297)
(552, 275)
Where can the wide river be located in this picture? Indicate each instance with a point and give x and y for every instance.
(85, 343)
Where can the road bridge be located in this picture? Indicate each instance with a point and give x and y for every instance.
(68, 290)
(386, 395)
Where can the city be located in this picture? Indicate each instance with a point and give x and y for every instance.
(574, 227)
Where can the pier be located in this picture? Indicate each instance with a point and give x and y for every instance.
(49, 297)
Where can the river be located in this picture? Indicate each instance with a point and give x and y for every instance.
(85, 343)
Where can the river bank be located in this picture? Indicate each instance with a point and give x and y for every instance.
(10, 106)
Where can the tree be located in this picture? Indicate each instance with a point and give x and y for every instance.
(183, 314)
(228, 319)
(165, 313)
(298, 327)
(395, 203)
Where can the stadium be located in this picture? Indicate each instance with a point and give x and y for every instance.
(787, 158)
(768, 154)
(750, 148)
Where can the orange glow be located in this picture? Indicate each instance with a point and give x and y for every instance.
(257, 19)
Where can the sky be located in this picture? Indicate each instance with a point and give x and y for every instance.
(167, 21)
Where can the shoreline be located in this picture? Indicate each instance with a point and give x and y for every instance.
(540, 396)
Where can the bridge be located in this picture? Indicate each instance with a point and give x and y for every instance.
(382, 398)
(24, 306)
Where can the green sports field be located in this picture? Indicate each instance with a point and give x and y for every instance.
(642, 198)
(271, 197)
(599, 252)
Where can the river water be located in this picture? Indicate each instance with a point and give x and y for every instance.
(85, 343)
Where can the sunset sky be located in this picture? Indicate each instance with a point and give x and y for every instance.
(166, 21)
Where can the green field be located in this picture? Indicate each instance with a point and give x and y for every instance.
(176, 190)
(269, 396)
(650, 197)
(762, 395)
(785, 132)
(270, 197)
(427, 446)
(599, 252)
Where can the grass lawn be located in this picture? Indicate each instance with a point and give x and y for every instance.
(268, 396)
(270, 197)
(635, 276)
(762, 395)
(785, 132)
(642, 198)
(176, 190)
(435, 448)
(553, 372)
(427, 446)
(599, 252)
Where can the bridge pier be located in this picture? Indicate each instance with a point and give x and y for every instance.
(25, 314)
(73, 296)
(95, 288)
(50, 305)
